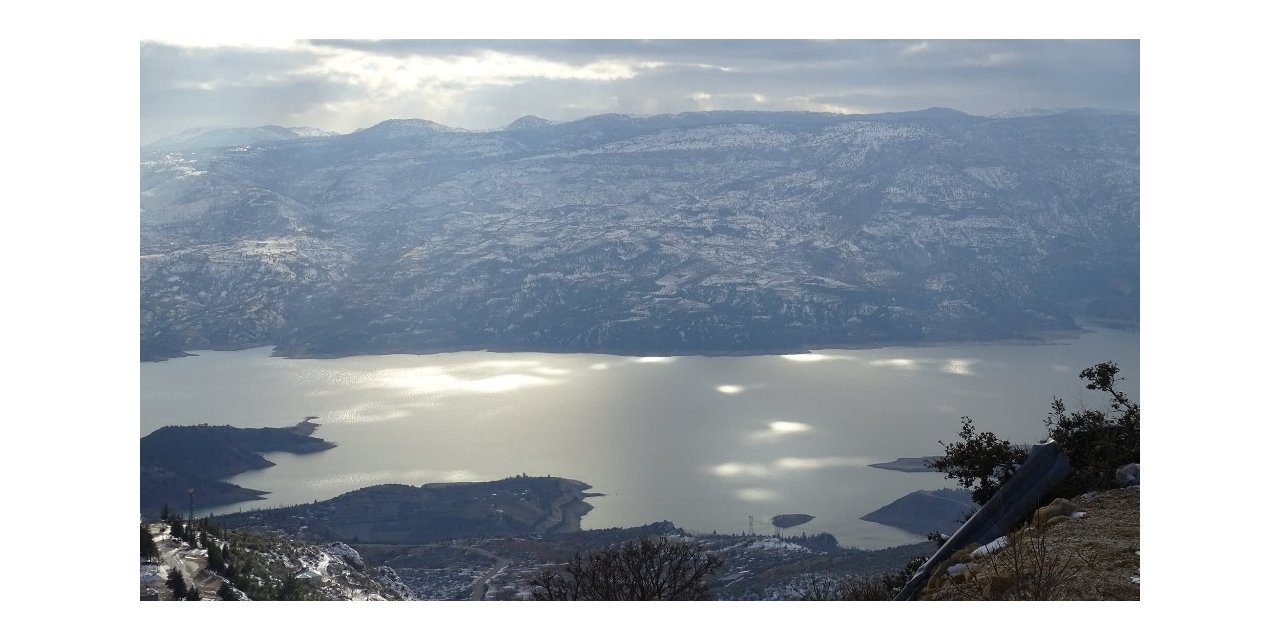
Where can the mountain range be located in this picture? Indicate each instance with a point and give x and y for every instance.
(706, 232)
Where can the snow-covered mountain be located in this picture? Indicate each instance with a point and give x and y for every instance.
(211, 137)
(681, 233)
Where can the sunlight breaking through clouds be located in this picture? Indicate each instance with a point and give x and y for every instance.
(654, 359)
(731, 389)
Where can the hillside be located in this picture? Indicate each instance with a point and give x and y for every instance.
(175, 459)
(709, 232)
(401, 514)
(268, 567)
(1092, 555)
(926, 511)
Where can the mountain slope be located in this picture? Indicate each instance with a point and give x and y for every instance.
(691, 233)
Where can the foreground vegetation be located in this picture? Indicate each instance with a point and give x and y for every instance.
(1050, 556)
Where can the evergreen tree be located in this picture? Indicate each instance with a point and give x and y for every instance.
(226, 592)
(177, 584)
(149, 550)
(215, 555)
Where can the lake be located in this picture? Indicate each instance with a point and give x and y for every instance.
(704, 442)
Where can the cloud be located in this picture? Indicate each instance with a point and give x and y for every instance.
(344, 85)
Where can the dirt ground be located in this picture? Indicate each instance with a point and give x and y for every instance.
(1093, 557)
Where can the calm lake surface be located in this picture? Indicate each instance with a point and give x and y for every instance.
(701, 441)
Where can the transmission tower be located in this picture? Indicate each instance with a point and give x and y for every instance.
(751, 525)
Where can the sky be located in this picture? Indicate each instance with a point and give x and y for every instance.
(344, 85)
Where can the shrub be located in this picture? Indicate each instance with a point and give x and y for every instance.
(647, 569)
(874, 587)
(1028, 568)
(1095, 440)
(980, 462)
(148, 551)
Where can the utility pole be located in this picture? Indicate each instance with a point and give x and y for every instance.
(751, 526)
(191, 508)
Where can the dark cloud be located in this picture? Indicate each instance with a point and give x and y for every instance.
(187, 87)
(165, 66)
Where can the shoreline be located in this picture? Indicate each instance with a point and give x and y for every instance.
(1047, 338)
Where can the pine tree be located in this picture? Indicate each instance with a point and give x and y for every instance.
(149, 550)
(216, 562)
(225, 592)
(177, 584)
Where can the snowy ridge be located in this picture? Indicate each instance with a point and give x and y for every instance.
(705, 232)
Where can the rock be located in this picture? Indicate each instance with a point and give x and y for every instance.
(1127, 476)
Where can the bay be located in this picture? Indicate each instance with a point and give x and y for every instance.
(705, 442)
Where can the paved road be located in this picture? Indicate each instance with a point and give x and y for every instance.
(481, 585)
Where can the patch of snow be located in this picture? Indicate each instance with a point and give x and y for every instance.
(774, 544)
(1077, 514)
(153, 574)
(990, 547)
(957, 568)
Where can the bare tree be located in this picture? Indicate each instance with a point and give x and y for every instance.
(646, 569)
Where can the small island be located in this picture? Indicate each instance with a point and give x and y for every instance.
(924, 512)
(176, 460)
(909, 465)
(788, 520)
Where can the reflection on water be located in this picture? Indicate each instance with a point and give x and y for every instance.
(807, 464)
(784, 465)
(738, 469)
(653, 359)
(779, 429)
(756, 494)
(813, 357)
(700, 441)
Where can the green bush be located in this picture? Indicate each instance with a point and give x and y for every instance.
(1097, 441)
